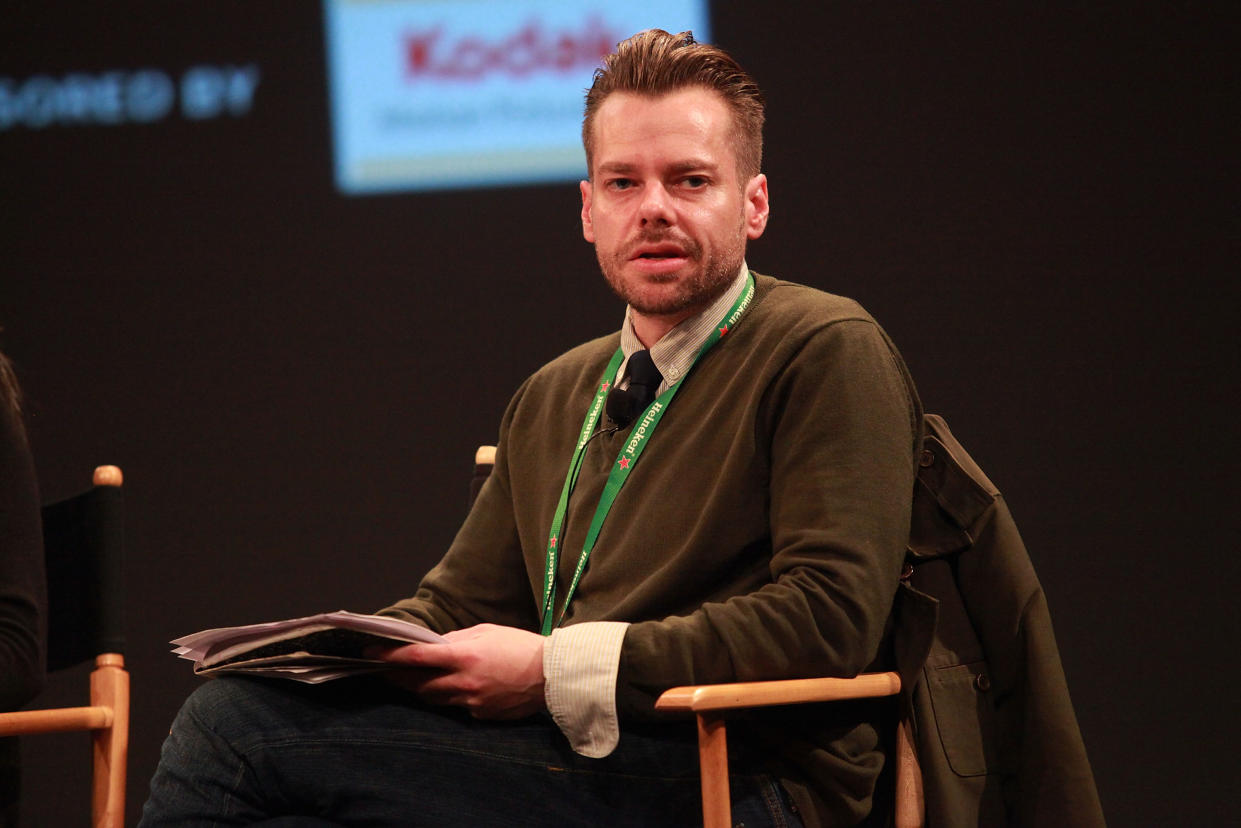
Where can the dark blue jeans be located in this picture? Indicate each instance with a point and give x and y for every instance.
(361, 752)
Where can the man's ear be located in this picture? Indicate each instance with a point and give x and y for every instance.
(588, 227)
(756, 206)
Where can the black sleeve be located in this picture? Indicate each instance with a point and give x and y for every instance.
(23, 596)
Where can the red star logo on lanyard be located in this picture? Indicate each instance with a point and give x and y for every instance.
(605, 386)
(624, 462)
(723, 330)
(553, 542)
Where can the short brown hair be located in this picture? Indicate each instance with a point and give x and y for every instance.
(655, 62)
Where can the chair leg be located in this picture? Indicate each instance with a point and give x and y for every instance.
(713, 765)
(910, 804)
(109, 687)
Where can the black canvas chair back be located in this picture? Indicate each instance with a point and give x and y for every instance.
(83, 547)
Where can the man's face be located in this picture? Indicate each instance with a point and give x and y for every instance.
(665, 207)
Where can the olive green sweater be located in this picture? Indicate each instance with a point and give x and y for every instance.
(760, 536)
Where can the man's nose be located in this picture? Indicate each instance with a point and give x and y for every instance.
(656, 208)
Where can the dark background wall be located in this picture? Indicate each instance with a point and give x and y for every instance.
(1040, 206)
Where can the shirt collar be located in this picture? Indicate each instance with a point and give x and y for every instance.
(675, 352)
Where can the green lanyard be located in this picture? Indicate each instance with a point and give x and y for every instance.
(625, 461)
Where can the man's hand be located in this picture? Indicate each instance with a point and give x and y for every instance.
(494, 672)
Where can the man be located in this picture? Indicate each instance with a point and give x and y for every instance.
(760, 537)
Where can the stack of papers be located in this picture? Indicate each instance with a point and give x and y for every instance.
(313, 649)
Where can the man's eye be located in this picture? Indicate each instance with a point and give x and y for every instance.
(620, 183)
(694, 181)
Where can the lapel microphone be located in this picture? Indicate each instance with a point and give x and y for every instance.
(625, 405)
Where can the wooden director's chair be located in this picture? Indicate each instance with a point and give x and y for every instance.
(710, 703)
(82, 544)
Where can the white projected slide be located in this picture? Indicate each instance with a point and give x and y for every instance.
(472, 93)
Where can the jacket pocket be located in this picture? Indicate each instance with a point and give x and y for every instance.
(964, 716)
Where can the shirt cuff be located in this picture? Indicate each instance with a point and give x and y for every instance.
(580, 663)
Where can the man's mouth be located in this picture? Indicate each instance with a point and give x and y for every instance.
(660, 252)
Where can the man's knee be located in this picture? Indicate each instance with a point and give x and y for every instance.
(228, 704)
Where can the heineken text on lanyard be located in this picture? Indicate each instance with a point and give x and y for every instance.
(625, 461)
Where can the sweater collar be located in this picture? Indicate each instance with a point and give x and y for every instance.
(675, 352)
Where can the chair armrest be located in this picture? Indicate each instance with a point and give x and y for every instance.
(57, 720)
(702, 697)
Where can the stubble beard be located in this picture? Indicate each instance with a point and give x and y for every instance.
(705, 282)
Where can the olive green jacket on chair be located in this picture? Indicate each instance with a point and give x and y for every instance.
(995, 731)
